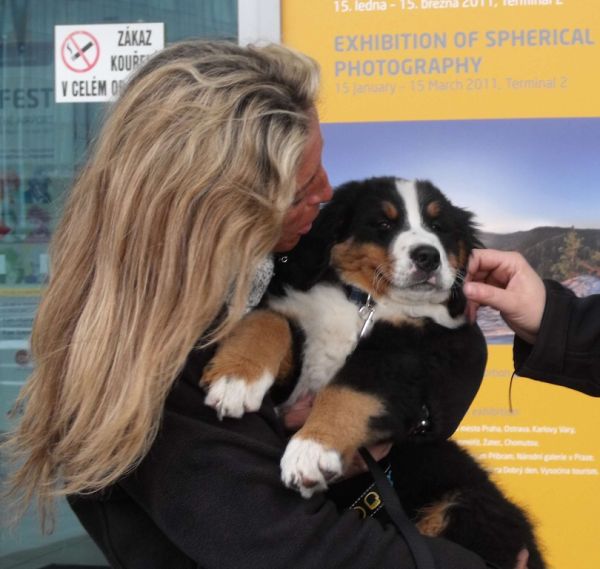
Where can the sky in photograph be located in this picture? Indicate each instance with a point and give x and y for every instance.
(513, 174)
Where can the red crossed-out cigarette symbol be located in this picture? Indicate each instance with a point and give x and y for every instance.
(80, 51)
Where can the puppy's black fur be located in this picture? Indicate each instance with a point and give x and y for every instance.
(482, 520)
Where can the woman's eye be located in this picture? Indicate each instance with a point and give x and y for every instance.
(298, 200)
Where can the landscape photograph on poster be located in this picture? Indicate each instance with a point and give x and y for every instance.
(532, 185)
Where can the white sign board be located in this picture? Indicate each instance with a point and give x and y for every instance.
(91, 62)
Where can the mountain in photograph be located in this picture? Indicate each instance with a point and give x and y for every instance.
(558, 253)
(566, 254)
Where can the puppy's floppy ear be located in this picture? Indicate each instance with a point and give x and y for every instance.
(469, 233)
(468, 236)
(304, 265)
(335, 218)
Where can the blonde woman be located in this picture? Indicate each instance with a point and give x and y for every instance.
(208, 163)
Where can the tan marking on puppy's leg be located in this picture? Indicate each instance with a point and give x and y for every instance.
(246, 364)
(340, 419)
(433, 519)
(260, 342)
(339, 423)
(365, 265)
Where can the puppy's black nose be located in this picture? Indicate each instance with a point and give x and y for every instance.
(425, 257)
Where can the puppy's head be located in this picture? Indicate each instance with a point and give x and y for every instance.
(400, 240)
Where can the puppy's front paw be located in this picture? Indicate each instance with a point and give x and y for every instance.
(232, 396)
(308, 466)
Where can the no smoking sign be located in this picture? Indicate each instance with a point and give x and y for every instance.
(92, 62)
(80, 51)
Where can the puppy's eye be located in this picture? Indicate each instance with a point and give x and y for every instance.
(435, 226)
(384, 225)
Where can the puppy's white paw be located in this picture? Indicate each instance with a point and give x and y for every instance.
(232, 396)
(308, 466)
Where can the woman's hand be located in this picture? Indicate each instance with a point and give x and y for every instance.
(295, 416)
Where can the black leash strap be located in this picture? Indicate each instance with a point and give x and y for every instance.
(416, 544)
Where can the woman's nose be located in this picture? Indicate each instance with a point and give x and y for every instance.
(322, 192)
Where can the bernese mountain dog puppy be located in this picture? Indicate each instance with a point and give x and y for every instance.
(368, 313)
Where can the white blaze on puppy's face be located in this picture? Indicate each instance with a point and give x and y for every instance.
(410, 282)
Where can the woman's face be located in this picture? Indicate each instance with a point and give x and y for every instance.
(313, 190)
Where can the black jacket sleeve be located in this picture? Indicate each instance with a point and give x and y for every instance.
(209, 495)
(567, 349)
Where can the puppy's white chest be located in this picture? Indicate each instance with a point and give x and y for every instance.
(331, 324)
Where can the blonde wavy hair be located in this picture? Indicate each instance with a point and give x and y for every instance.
(182, 197)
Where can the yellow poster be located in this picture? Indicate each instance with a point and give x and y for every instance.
(453, 59)
(497, 102)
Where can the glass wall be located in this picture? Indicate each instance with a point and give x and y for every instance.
(41, 146)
